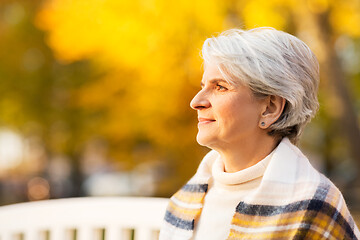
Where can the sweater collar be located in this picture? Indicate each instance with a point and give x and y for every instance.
(236, 178)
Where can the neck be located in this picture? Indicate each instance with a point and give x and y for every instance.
(247, 153)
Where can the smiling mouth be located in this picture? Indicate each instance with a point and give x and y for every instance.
(205, 120)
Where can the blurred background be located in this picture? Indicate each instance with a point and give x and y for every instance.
(94, 94)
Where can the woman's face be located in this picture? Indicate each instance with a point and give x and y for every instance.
(227, 114)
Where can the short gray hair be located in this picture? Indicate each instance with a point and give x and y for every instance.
(270, 62)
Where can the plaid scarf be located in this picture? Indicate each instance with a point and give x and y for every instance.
(293, 201)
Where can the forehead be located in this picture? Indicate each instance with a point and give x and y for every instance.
(213, 74)
(212, 71)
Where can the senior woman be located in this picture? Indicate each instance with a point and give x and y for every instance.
(258, 91)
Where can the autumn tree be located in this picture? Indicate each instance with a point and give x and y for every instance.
(125, 71)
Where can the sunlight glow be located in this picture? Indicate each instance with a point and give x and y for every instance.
(11, 149)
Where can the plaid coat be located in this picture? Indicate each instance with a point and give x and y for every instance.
(293, 201)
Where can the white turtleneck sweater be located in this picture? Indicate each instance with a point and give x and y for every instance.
(225, 191)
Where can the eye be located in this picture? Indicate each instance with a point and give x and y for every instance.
(220, 87)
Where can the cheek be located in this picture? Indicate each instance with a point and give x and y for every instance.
(229, 114)
(240, 114)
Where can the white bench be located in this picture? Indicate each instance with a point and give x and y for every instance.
(107, 218)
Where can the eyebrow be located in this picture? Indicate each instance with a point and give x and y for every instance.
(214, 80)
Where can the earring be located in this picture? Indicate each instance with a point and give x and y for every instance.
(262, 124)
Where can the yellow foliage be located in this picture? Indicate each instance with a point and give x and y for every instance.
(345, 17)
(122, 32)
(259, 13)
(318, 6)
(149, 50)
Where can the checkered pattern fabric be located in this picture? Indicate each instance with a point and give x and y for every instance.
(293, 201)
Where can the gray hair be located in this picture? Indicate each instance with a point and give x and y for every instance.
(270, 62)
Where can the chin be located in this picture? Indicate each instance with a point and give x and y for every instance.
(205, 141)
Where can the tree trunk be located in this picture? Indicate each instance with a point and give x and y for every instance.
(318, 26)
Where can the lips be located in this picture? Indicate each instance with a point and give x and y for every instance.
(205, 120)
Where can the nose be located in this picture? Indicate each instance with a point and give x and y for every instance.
(200, 101)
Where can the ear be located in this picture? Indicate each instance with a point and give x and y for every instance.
(273, 108)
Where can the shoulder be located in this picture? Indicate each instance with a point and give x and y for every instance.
(290, 166)
(328, 206)
(290, 176)
(300, 187)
